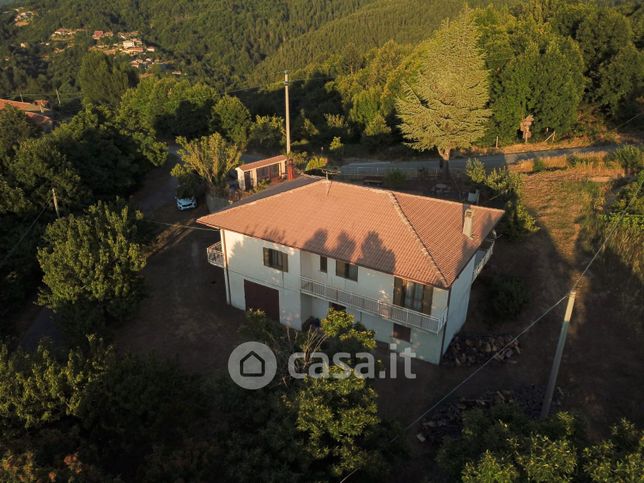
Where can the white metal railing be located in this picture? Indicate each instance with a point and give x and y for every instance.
(482, 257)
(215, 255)
(402, 315)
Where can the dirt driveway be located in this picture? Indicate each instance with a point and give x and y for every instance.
(185, 316)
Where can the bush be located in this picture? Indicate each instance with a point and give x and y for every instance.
(631, 158)
(395, 179)
(507, 296)
(316, 162)
(538, 165)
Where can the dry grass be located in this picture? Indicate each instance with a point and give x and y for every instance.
(560, 199)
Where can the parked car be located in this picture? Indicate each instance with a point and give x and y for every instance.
(186, 203)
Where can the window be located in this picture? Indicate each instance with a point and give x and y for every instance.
(276, 259)
(412, 295)
(323, 263)
(402, 333)
(346, 270)
(268, 172)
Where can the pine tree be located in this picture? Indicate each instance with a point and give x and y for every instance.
(444, 106)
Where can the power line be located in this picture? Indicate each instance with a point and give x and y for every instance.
(526, 329)
(276, 84)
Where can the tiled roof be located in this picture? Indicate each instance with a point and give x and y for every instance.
(414, 237)
(262, 162)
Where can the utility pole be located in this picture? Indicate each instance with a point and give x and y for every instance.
(288, 115)
(53, 192)
(554, 371)
(58, 96)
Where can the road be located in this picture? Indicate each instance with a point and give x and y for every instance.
(357, 165)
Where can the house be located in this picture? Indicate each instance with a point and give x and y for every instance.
(401, 264)
(36, 111)
(249, 175)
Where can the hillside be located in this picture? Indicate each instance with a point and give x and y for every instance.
(405, 21)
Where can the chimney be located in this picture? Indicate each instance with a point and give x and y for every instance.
(290, 170)
(468, 219)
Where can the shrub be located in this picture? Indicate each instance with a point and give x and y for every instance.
(316, 162)
(538, 165)
(395, 179)
(475, 170)
(631, 158)
(507, 296)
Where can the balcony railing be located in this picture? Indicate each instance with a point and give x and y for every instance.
(482, 257)
(215, 255)
(385, 310)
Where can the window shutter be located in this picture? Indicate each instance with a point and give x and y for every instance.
(428, 293)
(284, 261)
(398, 291)
(267, 257)
(339, 268)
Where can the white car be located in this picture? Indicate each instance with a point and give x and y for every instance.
(186, 203)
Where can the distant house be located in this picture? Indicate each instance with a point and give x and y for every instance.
(36, 111)
(249, 175)
(401, 264)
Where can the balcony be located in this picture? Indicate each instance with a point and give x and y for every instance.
(482, 257)
(215, 255)
(400, 315)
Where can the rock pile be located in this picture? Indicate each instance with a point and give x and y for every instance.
(448, 420)
(470, 350)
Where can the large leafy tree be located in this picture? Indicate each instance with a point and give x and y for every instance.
(109, 157)
(39, 166)
(91, 266)
(536, 72)
(104, 80)
(14, 128)
(169, 107)
(445, 105)
(232, 119)
(211, 158)
(502, 444)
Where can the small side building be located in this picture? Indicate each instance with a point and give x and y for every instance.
(249, 175)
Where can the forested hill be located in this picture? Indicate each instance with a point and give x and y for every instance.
(405, 21)
(215, 40)
(225, 43)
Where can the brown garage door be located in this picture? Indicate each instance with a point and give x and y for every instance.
(259, 297)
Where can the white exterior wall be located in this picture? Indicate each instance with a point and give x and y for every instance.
(244, 259)
(459, 302)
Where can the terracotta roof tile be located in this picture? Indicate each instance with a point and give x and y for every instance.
(414, 237)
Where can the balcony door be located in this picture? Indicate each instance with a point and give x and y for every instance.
(413, 296)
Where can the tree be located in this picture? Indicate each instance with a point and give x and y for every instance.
(231, 116)
(104, 80)
(267, 133)
(339, 417)
(14, 128)
(622, 82)
(444, 106)
(91, 266)
(211, 158)
(39, 166)
(169, 107)
(109, 158)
